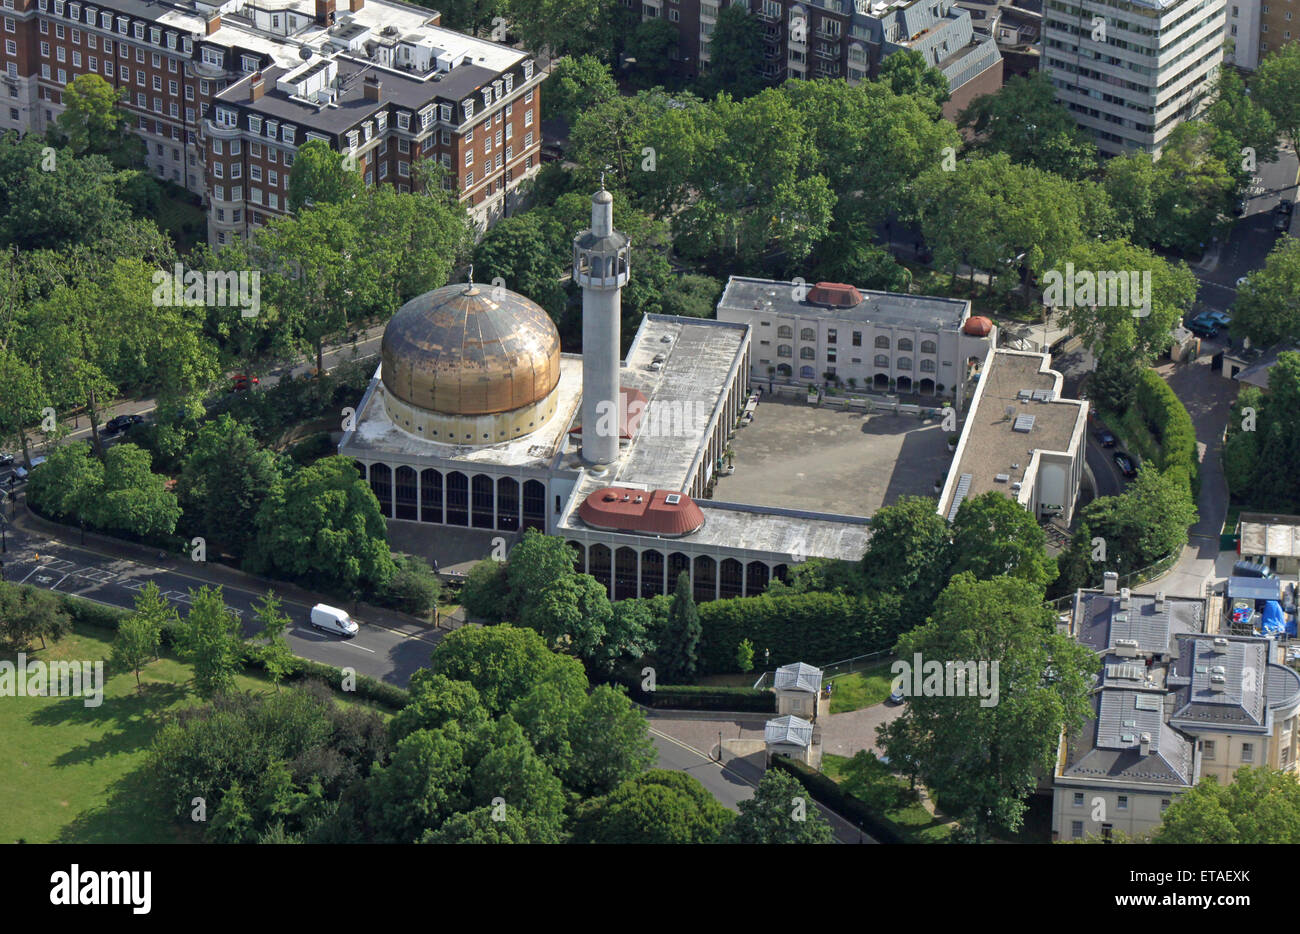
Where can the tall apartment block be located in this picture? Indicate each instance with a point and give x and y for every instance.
(1147, 70)
(224, 94)
(844, 39)
(1258, 27)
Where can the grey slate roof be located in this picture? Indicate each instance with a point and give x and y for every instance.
(798, 677)
(1242, 663)
(1100, 621)
(790, 730)
(1094, 753)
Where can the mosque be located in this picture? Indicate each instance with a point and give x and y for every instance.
(476, 419)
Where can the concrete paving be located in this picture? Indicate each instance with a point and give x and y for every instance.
(825, 459)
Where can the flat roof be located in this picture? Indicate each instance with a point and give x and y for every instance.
(1007, 424)
(1269, 535)
(885, 309)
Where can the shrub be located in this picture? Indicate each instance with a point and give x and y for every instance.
(691, 697)
(1169, 421)
(826, 791)
(414, 588)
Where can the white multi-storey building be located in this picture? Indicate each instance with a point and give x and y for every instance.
(1132, 70)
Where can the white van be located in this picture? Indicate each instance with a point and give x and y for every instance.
(332, 619)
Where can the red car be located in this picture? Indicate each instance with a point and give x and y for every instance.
(239, 382)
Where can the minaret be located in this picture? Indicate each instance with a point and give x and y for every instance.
(600, 267)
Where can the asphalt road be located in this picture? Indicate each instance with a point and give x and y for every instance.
(376, 651)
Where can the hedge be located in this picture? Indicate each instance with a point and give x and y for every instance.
(694, 697)
(828, 792)
(804, 627)
(108, 617)
(1168, 419)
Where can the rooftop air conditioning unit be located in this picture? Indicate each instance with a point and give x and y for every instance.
(1126, 648)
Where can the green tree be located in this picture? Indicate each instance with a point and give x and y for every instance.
(908, 75)
(569, 27)
(232, 822)
(28, 613)
(212, 642)
(1268, 302)
(909, 551)
(512, 773)
(322, 176)
(572, 613)
(529, 253)
(51, 200)
(653, 45)
(224, 479)
(1237, 112)
(575, 85)
(735, 55)
(537, 560)
(1274, 86)
(655, 807)
(1113, 385)
(1025, 120)
(501, 662)
(980, 758)
(153, 609)
(414, 587)
(994, 535)
(323, 526)
(134, 499)
(781, 811)
(485, 594)
(1197, 177)
(424, 783)
(277, 657)
(135, 646)
(1260, 805)
(1276, 480)
(745, 655)
(501, 824)
(610, 742)
(94, 120)
(678, 651)
(436, 701)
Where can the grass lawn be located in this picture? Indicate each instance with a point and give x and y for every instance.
(75, 774)
(912, 820)
(864, 688)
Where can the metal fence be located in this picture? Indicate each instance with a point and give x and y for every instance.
(834, 669)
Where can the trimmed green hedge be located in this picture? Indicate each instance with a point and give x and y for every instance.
(692, 697)
(804, 627)
(829, 793)
(1172, 426)
(108, 617)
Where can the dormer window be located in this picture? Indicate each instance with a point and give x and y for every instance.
(468, 107)
(123, 24)
(138, 31)
(446, 113)
(289, 134)
(381, 121)
(510, 83)
(254, 124)
(487, 97)
(528, 70)
(403, 120)
(155, 35)
(272, 128)
(248, 63)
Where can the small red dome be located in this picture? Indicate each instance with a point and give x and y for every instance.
(657, 512)
(978, 326)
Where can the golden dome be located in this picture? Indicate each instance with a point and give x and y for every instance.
(470, 350)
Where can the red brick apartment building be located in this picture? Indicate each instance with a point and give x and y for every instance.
(844, 39)
(223, 94)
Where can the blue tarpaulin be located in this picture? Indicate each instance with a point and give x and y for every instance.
(1275, 620)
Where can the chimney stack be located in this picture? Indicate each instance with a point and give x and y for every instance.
(256, 87)
(373, 86)
(1110, 583)
(213, 25)
(324, 12)
(355, 5)
(1144, 745)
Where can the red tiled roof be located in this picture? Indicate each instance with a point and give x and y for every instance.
(620, 509)
(838, 294)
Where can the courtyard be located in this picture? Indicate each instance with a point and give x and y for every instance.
(827, 459)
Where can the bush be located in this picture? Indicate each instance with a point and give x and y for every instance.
(313, 448)
(692, 697)
(414, 588)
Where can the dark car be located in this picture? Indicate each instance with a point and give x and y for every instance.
(6, 460)
(1282, 217)
(1125, 464)
(1203, 326)
(1252, 569)
(121, 423)
(1106, 438)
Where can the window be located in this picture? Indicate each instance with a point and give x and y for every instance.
(1122, 802)
(403, 120)
(905, 344)
(1164, 804)
(404, 145)
(784, 350)
(882, 362)
(929, 347)
(1247, 752)
(904, 363)
(785, 331)
(1078, 799)
(273, 178)
(528, 117)
(157, 82)
(469, 157)
(830, 335)
(139, 56)
(857, 338)
(807, 353)
(882, 343)
(1207, 749)
(255, 172)
(807, 334)
(1076, 829)
(61, 54)
(469, 179)
(272, 155)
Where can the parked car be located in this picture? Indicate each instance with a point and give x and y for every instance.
(1221, 318)
(22, 472)
(897, 697)
(6, 460)
(332, 619)
(1203, 326)
(1282, 216)
(239, 382)
(1240, 207)
(121, 423)
(1252, 569)
(1106, 438)
(1125, 464)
